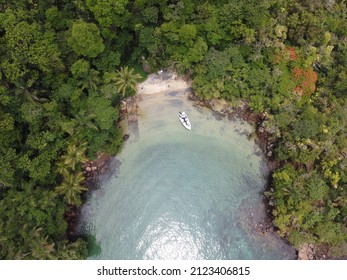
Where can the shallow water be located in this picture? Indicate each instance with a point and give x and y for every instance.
(182, 194)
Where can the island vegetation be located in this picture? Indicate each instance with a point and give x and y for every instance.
(66, 65)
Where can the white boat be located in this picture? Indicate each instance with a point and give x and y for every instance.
(184, 120)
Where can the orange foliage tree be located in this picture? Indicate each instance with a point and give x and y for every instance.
(287, 54)
(306, 80)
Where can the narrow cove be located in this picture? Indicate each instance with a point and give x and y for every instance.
(181, 194)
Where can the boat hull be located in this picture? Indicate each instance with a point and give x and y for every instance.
(184, 120)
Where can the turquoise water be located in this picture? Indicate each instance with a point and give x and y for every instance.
(180, 194)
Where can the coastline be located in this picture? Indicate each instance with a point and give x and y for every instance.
(91, 169)
(221, 109)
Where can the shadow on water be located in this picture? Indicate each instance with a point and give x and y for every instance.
(172, 93)
(94, 248)
(175, 102)
(95, 189)
(254, 221)
(111, 171)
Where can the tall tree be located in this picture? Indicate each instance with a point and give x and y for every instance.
(126, 80)
(72, 187)
(85, 39)
(109, 12)
(27, 50)
(75, 155)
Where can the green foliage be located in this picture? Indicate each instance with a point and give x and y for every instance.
(28, 217)
(85, 39)
(109, 12)
(212, 89)
(318, 190)
(72, 250)
(217, 63)
(148, 40)
(183, 43)
(82, 122)
(45, 104)
(150, 14)
(125, 79)
(80, 68)
(330, 232)
(27, 50)
(72, 187)
(74, 155)
(308, 123)
(108, 61)
(105, 114)
(256, 103)
(302, 213)
(56, 18)
(7, 172)
(90, 81)
(179, 11)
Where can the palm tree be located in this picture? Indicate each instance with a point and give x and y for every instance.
(75, 154)
(126, 80)
(84, 120)
(29, 94)
(36, 246)
(90, 81)
(72, 187)
(61, 167)
(40, 248)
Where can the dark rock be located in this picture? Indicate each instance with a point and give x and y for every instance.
(146, 67)
(125, 137)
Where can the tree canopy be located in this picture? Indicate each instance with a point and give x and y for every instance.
(85, 39)
(65, 65)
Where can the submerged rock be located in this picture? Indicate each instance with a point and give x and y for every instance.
(126, 137)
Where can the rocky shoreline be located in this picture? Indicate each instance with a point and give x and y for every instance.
(91, 170)
(223, 109)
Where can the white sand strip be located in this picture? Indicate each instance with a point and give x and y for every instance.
(162, 83)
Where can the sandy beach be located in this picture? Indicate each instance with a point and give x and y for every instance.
(165, 81)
